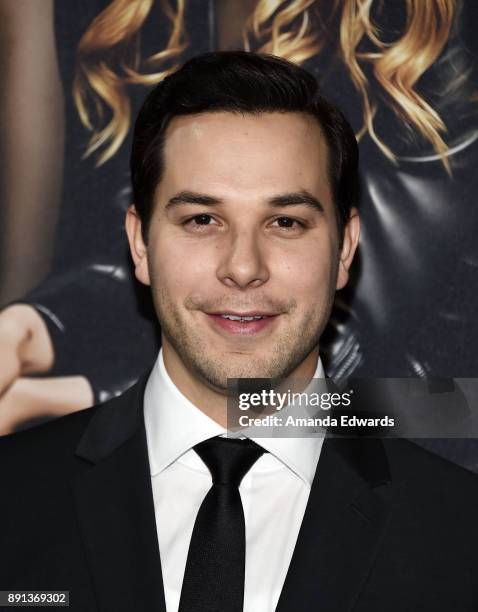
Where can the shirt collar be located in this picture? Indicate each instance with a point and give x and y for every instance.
(174, 425)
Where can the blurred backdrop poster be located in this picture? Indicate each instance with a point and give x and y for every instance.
(74, 75)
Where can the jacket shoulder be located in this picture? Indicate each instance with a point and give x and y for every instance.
(52, 444)
(438, 485)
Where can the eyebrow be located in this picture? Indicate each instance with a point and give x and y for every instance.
(296, 198)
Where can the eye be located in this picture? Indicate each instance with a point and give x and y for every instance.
(202, 219)
(287, 223)
(198, 220)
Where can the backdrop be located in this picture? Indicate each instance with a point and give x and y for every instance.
(74, 75)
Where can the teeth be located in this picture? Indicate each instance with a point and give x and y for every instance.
(234, 318)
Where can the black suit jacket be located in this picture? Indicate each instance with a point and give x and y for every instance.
(388, 526)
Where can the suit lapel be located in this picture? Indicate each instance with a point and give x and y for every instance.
(115, 509)
(344, 520)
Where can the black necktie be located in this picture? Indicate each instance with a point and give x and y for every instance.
(214, 575)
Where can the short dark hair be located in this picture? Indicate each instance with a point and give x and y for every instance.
(246, 83)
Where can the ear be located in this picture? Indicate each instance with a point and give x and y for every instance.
(137, 247)
(349, 246)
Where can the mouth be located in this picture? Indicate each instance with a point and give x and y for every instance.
(243, 324)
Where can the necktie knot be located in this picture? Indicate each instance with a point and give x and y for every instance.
(228, 459)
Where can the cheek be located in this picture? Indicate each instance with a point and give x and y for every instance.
(178, 268)
(307, 272)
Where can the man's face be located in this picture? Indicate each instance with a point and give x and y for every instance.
(243, 224)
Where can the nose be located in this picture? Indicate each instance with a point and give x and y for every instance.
(242, 262)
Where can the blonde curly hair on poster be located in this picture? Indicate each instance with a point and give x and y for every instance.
(109, 59)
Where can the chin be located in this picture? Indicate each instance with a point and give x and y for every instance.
(240, 366)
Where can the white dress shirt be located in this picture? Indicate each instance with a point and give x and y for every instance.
(274, 492)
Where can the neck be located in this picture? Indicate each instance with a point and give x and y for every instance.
(212, 401)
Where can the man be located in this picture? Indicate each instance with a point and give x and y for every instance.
(244, 224)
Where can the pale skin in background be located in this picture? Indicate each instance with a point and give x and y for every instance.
(239, 255)
(32, 135)
(26, 348)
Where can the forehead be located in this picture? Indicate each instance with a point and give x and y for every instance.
(267, 151)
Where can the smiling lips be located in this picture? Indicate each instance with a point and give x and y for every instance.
(242, 323)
